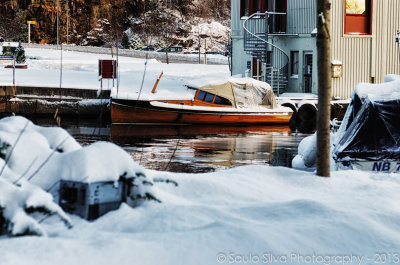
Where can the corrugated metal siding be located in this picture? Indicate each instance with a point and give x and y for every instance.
(236, 23)
(301, 16)
(385, 50)
(365, 57)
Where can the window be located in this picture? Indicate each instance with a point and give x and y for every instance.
(222, 101)
(358, 14)
(201, 95)
(209, 98)
(249, 7)
(294, 63)
(205, 96)
(280, 20)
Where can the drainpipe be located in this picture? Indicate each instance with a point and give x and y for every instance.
(398, 41)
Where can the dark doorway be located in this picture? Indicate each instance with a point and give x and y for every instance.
(308, 66)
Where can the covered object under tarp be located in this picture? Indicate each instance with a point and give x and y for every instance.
(243, 92)
(371, 127)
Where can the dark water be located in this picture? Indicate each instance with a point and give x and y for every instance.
(192, 148)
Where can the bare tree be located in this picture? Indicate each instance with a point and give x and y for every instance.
(12, 27)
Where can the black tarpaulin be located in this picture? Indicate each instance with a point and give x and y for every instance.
(373, 131)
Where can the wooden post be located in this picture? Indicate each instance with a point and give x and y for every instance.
(199, 49)
(205, 51)
(324, 87)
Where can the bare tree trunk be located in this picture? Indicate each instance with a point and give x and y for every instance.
(324, 88)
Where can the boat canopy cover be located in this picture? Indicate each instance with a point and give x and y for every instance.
(371, 127)
(243, 92)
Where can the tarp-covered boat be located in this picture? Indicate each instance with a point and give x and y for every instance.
(369, 137)
(236, 101)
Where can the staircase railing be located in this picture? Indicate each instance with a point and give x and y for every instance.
(257, 27)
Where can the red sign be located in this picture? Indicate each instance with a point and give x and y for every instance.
(108, 69)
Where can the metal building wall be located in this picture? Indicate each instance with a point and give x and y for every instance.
(385, 52)
(302, 16)
(364, 57)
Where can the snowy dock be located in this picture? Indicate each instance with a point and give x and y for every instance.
(46, 101)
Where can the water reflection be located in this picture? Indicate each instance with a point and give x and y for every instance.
(191, 148)
(207, 148)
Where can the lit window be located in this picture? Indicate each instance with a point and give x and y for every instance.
(355, 7)
(358, 17)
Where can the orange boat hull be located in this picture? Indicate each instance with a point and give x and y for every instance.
(145, 113)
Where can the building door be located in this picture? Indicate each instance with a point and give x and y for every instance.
(307, 76)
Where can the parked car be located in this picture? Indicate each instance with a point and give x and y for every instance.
(147, 48)
(190, 52)
(176, 49)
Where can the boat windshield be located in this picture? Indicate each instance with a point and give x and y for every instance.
(211, 98)
(221, 101)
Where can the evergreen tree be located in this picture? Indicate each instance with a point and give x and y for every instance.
(20, 54)
(125, 41)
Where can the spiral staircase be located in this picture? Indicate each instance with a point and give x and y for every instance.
(274, 61)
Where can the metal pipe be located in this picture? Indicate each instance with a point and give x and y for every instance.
(398, 41)
(67, 23)
(58, 23)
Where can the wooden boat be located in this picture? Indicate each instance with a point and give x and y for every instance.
(237, 101)
(125, 133)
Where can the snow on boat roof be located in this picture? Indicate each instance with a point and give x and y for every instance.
(235, 80)
(379, 92)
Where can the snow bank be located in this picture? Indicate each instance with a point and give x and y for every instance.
(37, 158)
(230, 216)
(18, 200)
(46, 155)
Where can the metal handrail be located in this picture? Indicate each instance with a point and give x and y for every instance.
(264, 40)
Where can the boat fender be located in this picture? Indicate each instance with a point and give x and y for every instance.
(307, 111)
(288, 103)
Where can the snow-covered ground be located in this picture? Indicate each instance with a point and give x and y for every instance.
(80, 70)
(245, 215)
